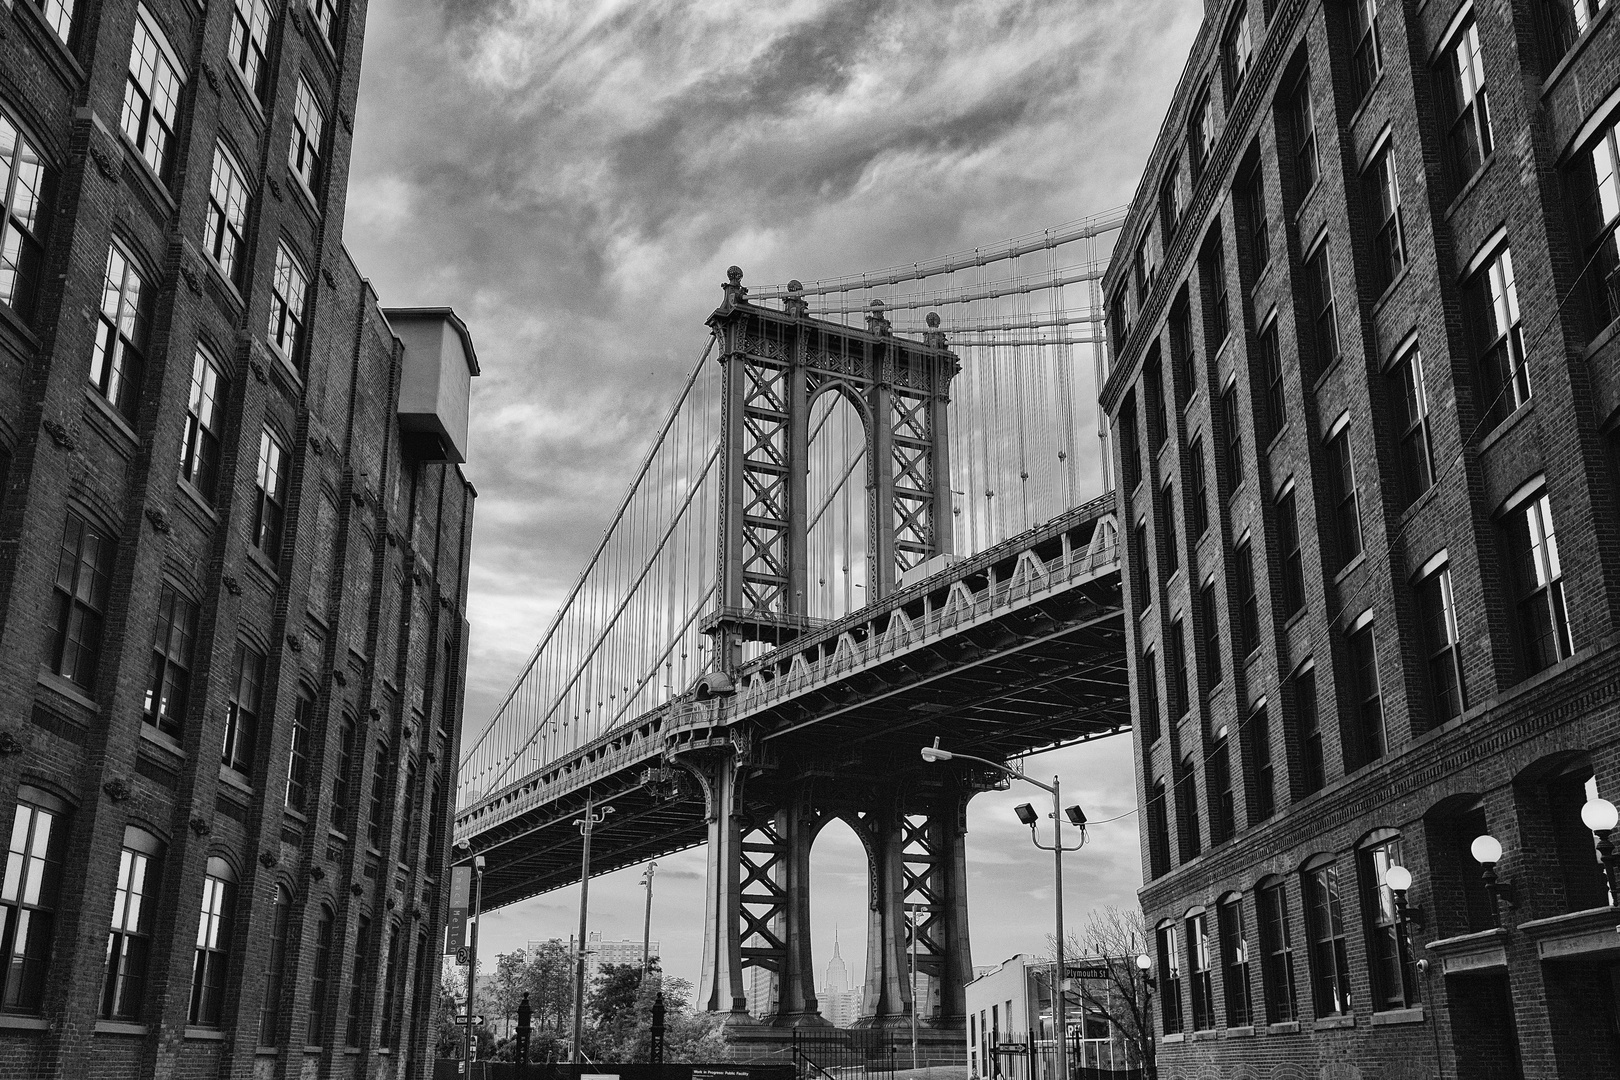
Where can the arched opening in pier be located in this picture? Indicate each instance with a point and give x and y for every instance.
(838, 507)
(840, 891)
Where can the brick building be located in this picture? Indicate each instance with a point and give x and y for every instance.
(233, 559)
(1365, 373)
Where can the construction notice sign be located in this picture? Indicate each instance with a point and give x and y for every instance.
(455, 934)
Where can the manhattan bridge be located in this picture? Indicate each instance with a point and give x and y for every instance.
(878, 514)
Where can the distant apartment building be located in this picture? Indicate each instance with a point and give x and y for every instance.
(1365, 410)
(234, 541)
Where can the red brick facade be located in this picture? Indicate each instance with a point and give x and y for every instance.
(277, 576)
(1401, 660)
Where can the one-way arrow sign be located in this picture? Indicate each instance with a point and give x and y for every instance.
(475, 1021)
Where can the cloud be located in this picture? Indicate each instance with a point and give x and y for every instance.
(575, 177)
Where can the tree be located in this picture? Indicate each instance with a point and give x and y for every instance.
(1111, 940)
(508, 985)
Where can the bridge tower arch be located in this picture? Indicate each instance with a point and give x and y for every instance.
(777, 362)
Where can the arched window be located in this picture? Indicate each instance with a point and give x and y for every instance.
(298, 758)
(1394, 983)
(320, 979)
(140, 863)
(389, 1036)
(410, 812)
(1198, 970)
(1235, 960)
(28, 895)
(213, 943)
(1277, 951)
(1169, 977)
(343, 775)
(275, 970)
(1324, 922)
(357, 984)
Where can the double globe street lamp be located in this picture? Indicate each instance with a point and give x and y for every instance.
(1028, 815)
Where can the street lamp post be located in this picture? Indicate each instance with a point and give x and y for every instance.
(586, 824)
(1144, 964)
(1027, 815)
(646, 922)
(472, 955)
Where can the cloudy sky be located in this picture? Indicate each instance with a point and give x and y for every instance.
(574, 179)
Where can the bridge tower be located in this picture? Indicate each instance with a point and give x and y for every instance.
(777, 362)
(765, 812)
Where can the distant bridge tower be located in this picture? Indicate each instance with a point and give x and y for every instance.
(777, 364)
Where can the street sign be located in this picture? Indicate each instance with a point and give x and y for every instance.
(475, 1021)
(1088, 971)
(463, 955)
(455, 935)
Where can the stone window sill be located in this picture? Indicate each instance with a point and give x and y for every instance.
(1328, 1023)
(1246, 1032)
(190, 491)
(1413, 1015)
(120, 1027)
(1575, 50)
(67, 688)
(1351, 567)
(161, 741)
(1513, 420)
(1169, 1039)
(25, 1023)
(117, 419)
(1289, 1027)
(205, 1034)
(234, 779)
(1473, 182)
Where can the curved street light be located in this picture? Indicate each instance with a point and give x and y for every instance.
(1026, 814)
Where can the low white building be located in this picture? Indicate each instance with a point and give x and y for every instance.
(1010, 1032)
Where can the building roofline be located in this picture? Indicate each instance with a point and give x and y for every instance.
(446, 313)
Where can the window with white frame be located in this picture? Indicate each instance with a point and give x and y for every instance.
(205, 424)
(1319, 306)
(1469, 138)
(1341, 491)
(1491, 298)
(304, 152)
(1383, 192)
(1237, 51)
(168, 689)
(326, 17)
(250, 42)
(213, 944)
(1330, 959)
(1437, 611)
(270, 496)
(1200, 135)
(1594, 175)
(116, 364)
(1302, 122)
(225, 230)
(288, 288)
(1394, 982)
(58, 16)
(1411, 402)
(151, 92)
(1537, 579)
(1366, 58)
(1365, 694)
(242, 710)
(26, 187)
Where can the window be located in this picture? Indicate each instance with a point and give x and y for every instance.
(343, 775)
(1139, 566)
(1170, 201)
(83, 567)
(1153, 382)
(1254, 214)
(303, 153)
(320, 979)
(1237, 51)
(1235, 963)
(28, 898)
(1307, 721)
(1319, 307)
(1208, 615)
(1167, 529)
(1412, 423)
(1562, 22)
(1150, 698)
(213, 944)
(1277, 950)
(1181, 350)
(1200, 136)
(1248, 598)
(250, 35)
(435, 837)
(389, 1035)
(205, 425)
(409, 811)
(1383, 193)
(1203, 994)
(1366, 702)
(1222, 802)
(1187, 812)
(1146, 265)
(1272, 370)
(1212, 266)
(129, 941)
(381, 788)
(1492, 302)
(169, 687)
(1176, 668)
(1437, 611)
(225, 230)
(1257, 729)
(1595, 184)
(1233, 430)
(242, 711)
(271, 495)
(1158, 832)
(275, 970)
(326, 17)
(1130, 454)
(26, 189)
(1538, 579)
(1302, 122)
(357, 984)
(1169, 979)
(298, 756)
(1200, 488)
(1330, 962)
(288, 288)
(1120, 316)
(1293, 560)
(1469, 139)
(116, 363)
(1341, 493)
(59, 15)
(1394, 986)
(152, 93)
(1366, 58)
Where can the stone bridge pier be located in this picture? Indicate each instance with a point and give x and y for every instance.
(763, 818)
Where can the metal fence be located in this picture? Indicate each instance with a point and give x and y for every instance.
(1089, 1059)
(843, 1054)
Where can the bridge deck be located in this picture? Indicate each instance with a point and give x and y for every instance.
(1016, 649)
